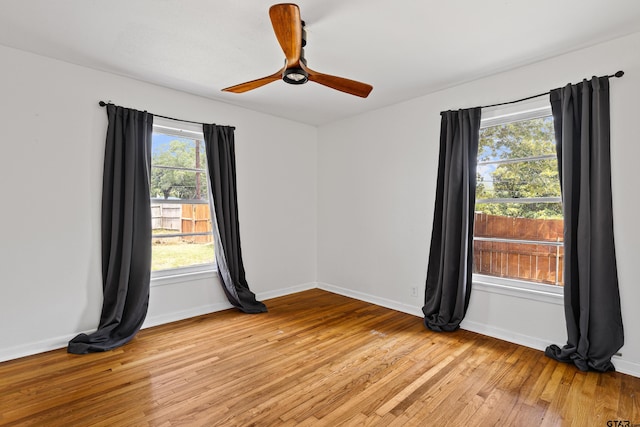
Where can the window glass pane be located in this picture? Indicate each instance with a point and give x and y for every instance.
(514, 140)
(518, 227)
(184, 250)
(178, 168)
(518, 180)
(518, 160)
(173, 184)
(180, 213)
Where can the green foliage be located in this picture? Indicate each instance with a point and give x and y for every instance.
(178, 183)
(523, 179)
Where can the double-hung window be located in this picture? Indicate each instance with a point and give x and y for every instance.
(518, 232)
(180, 215)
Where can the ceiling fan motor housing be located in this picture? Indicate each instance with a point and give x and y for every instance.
(295, 76)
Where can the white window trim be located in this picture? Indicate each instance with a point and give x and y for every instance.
(178, 128)
(529, 110)
(173, 276)
(551, 294)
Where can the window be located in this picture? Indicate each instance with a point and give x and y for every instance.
(180, 214)
(518, 232)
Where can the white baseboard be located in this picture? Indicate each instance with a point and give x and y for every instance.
(505, 335)
(383, 302)
(212, 308)
(162, 319)
(626, 367)
(36, 347)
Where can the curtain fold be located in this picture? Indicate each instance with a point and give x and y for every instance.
(220, 152)
(591, 294)
(126, 231)
(450, 266)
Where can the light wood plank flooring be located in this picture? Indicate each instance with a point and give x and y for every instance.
(316, 359)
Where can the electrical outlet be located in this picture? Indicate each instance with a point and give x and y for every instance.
(414, 291)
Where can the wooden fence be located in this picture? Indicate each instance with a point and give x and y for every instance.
(195, 219)
(166, 216)
(534, 262)
(187, 218)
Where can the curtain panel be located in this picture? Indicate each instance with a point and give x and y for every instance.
(448, 284)
(126, 231)
(220, 152)
(591, 294)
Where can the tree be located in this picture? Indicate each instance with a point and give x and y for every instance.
(172, 173)
(527, 178)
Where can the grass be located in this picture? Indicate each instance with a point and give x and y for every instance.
(180, 254)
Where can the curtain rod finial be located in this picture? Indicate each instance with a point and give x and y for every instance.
(619, 73)
(102, 104)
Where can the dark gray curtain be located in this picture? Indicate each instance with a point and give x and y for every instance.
(126, 231)
(591, 295)
(221, 161)
(450, 265)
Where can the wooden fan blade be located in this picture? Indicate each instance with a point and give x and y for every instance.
(254, 84)
(287, 26)
(339, 83)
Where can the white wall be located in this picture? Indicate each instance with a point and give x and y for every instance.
(376, 187)
(52, 140)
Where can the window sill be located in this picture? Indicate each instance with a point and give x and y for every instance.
(181, 275)
(520, 289)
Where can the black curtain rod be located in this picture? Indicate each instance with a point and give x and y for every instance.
(104, 104)
(618, 74)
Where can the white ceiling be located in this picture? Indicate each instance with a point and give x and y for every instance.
(404, 48)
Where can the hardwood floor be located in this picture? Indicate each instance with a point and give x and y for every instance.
(316, 359)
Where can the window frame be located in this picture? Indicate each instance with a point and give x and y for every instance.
(494, 116)
(171, 276)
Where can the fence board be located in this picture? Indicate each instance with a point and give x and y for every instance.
(165, 217)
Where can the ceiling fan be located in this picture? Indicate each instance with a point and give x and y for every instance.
(289, 30)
